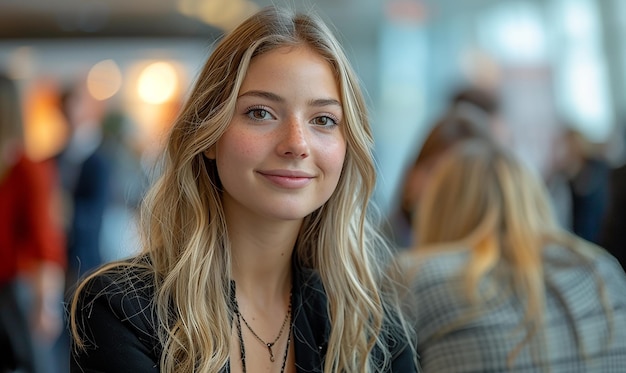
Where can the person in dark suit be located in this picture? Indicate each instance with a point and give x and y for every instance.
(614, 228)
(84, 168)
(588, 173)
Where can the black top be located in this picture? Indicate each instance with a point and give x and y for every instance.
(117, 317)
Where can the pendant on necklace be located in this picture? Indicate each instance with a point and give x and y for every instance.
(269, 348)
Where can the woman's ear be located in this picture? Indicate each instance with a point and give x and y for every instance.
(210, 153)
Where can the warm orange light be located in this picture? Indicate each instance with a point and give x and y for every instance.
(45, 129)
(157, 83)
(153, 99)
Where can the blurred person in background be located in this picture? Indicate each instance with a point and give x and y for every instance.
(128, 184)
(85, 168)
(498, 285)
(32, 247)
(458, 124)
(613, 236)
(483, 105)
(586, 170)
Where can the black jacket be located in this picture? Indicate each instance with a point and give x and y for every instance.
(118, 320)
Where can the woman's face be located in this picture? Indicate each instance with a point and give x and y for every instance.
(283, 152)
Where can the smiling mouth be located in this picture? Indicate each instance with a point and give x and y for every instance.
(288, 180)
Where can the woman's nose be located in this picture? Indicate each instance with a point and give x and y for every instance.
(294, 141)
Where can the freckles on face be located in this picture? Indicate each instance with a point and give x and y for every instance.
(283, 152)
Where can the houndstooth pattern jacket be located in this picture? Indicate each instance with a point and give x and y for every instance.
(578, 335)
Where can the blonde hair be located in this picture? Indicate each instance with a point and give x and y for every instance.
(184, 231)
(485, 199)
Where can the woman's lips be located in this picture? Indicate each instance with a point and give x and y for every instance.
(288, 179)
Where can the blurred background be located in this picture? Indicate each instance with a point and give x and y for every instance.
(553, 65)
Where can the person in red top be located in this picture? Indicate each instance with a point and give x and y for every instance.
(32, 244)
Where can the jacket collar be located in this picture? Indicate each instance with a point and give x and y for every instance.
(311, 326)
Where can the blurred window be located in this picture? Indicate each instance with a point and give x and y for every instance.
(582, 85)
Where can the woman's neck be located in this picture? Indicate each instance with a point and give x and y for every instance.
(261, 259)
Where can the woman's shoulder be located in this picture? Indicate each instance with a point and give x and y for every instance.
(124, 290)
(609, 266)
(562, 261)
(123, 278)
(428, 267)
(612, 274)
(576, 280)
(114, 315)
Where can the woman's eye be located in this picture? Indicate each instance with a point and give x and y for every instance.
(259, 114)
(324, 121)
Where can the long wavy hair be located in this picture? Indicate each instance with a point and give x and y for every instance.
(184, 230)
(483, 198)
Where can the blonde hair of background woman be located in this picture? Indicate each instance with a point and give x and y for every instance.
(183, 225)
(485, 199)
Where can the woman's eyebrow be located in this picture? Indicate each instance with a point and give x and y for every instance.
(324, 102)
(263, 94)
(320, 102)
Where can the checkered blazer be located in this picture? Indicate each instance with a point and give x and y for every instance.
(484, 343)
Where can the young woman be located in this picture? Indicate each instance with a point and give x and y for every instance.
(500, 286)
(258, 254)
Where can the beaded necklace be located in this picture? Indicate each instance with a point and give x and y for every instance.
(269, 345)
